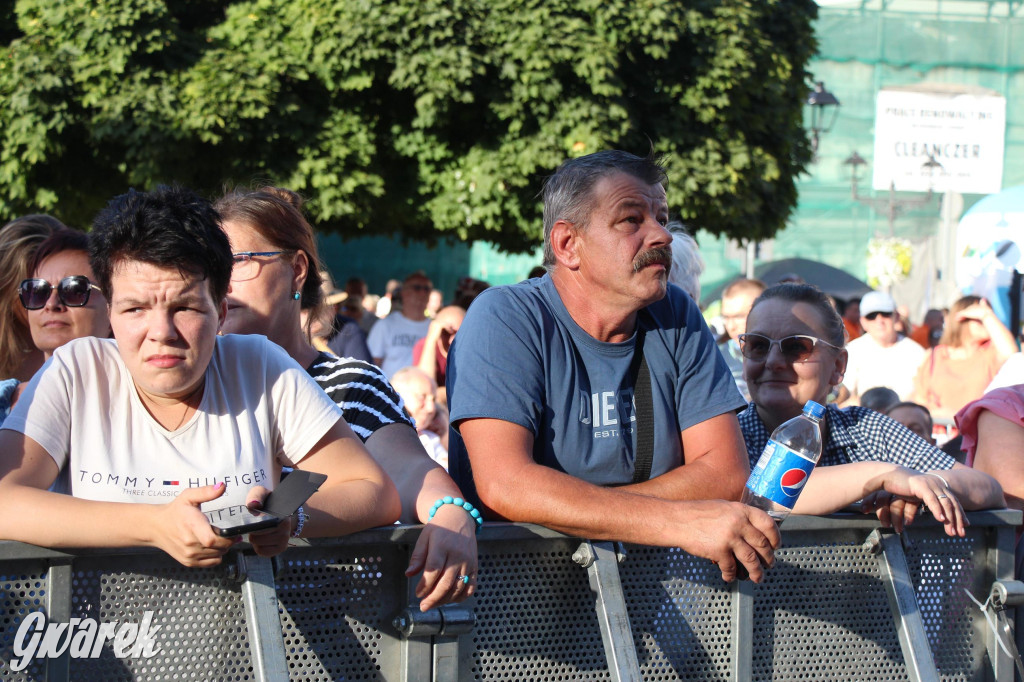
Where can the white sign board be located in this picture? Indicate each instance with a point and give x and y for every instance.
(963, 133)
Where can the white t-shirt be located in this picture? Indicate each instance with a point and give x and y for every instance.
(259, 410)
(393, 339)
(872, 365)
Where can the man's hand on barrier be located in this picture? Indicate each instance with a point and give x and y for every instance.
(272, 541)
(184, 532)
(730, 532)
(445, 552)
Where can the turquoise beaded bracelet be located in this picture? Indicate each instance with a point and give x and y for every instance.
(458, 502)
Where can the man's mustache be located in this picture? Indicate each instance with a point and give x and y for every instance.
(661, 255)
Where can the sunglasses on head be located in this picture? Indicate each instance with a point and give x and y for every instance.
(72, 291)
(872, 316)
(796, 348)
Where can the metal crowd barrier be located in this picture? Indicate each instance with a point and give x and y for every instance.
(845, 601)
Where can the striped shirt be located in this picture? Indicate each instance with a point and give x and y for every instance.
(367, 400)
(856, 434)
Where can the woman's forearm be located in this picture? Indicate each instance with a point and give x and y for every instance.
(831, 488)
(974, 489)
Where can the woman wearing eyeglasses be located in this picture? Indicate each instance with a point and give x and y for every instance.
(792, 353)
(275, 277)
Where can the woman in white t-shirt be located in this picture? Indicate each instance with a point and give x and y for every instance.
(167, 414)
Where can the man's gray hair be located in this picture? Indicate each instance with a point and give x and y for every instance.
(568, 192)
(687, 264)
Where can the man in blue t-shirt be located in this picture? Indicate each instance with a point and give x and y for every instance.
(541, 379)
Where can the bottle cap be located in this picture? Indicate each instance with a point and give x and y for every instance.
(813, 409)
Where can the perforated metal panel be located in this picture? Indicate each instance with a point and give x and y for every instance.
(22, 591)
(822, 613)
(678, 606)
(941, 568)
(535, 617)
(336, 611)
(200, 612)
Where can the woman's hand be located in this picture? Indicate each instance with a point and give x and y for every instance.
(272, 541)
(444, 552)
(900, 493)
(184, 532)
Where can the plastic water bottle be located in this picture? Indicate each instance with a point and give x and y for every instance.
(786, 463)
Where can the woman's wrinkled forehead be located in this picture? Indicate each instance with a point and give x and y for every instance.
(776, 317)
(129, 268)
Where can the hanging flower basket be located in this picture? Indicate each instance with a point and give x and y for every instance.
(889, 261)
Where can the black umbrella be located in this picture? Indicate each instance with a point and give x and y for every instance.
(833, 281)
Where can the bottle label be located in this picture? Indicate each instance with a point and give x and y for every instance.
(780, 474)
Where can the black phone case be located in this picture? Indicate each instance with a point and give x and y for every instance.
(294, 489)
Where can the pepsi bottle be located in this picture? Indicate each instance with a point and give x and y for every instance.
(781, 472)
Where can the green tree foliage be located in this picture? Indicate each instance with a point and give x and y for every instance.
(415, 117)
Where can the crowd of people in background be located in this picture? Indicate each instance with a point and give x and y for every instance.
(513, 402)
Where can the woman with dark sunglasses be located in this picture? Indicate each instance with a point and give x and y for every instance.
(19, 239)
(792, 353)
(70, 308)
(61, 298)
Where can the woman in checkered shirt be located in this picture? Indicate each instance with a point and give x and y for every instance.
(792, 353)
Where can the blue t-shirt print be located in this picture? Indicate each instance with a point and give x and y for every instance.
(521, 358)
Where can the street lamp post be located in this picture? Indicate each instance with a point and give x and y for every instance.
(824, 109)
(891, 206)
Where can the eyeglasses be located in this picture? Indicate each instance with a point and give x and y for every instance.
(872, 316)
(796, 348)
(72, 291)
(246, 267)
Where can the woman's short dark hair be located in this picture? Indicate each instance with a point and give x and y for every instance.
(170, 227)
(813, 296)
(62, 239)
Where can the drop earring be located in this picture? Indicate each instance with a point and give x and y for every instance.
(297, 295)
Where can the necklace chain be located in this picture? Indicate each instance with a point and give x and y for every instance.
(185, 400)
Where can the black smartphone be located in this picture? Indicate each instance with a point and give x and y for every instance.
(295, 488)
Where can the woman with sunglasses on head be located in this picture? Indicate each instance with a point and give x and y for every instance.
(792, 353)
(60, 299)
(973, 347)
(276, 277)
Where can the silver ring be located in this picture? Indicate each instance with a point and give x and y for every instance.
(464, 579)
(941, 497)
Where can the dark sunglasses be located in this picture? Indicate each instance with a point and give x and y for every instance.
(72, 291)
(796, 348)
(872, 316)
